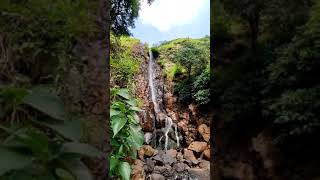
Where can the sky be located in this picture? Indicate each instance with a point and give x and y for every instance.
(171, 19)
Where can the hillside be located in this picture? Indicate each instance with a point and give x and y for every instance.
(169, 90)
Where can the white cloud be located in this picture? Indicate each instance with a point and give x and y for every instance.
(166, 14)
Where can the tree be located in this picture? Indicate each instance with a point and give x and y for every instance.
(123, 14)
(249, 11)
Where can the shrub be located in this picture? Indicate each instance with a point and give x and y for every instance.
(155, 52)
(127, 135)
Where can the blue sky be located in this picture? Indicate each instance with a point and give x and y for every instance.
(171, 19)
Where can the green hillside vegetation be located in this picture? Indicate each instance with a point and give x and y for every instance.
(124, 62)
(127, 136)
(187, 62)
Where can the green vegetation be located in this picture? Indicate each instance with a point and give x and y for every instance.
(124, 62)
(39, 140)
(127, 135)
(44, 67)
(266, 61)
(186, 62)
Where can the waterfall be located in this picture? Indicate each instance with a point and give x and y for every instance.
(168, 121)
(152, 89)
(166, 131)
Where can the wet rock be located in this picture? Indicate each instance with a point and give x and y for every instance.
(146, 122)
(180, 156)
(186, 116)
(159, 169)
(149, 165)
(168, 159)
(148, 137)
(158, 158)
(179, 167)
(172, 153)
(175, 116)
(161, 116)
(169, 171)
(138, 170)
(148, 150)
(206, 153)
(183, 125)
(204, 164)
(157, 177)
(204, 130)
(163, 158)
(200, 174)
(189, 156)
(198, 146)
(141, 153)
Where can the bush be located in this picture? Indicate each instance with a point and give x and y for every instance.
(127, 135)
(155, 52)
(124, 63)
(183, 90)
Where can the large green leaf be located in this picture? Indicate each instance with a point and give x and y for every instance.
(46, 103)
(117, 123)
(28, 137)
(13, 95)
(78, 169)
(136, 136)
(133, 117)
(10, 160)
(124, 93)
(119, 105)
(114, 162)
(125, 170)
(132, 102)
(114, 112)
(135, 108)
(64, 175)
(69, 129)
(36, 141)
(82, 149)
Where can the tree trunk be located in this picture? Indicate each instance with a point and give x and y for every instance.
(87, 89)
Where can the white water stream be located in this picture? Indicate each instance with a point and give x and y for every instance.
(168, 120)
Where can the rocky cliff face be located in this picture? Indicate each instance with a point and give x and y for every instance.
(188, 144)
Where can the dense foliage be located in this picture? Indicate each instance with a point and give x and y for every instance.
(266, 60)
(42, 44)
(124, 62)
(38, 139)
(123, 14)
(30, 45)
(186, 61)
(127, 135)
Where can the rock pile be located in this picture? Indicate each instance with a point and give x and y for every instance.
(191, 163)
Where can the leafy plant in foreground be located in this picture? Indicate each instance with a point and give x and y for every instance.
(127, 135)
(45, 145)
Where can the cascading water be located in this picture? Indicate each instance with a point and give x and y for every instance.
(168, 121)
(152, 89)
